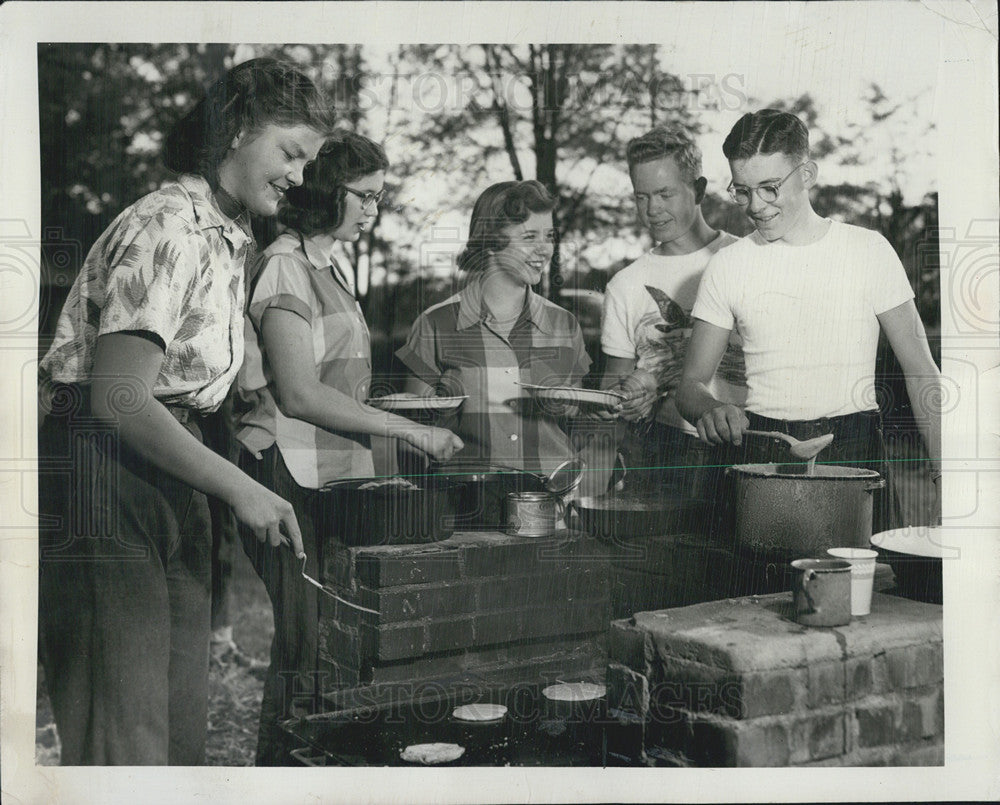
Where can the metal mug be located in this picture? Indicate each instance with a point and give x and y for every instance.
(822, 592)
(533, 514)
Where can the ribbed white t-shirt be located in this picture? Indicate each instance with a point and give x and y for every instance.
(807, 317)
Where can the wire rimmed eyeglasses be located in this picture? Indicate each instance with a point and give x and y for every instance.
(765, 192)
(367, 198)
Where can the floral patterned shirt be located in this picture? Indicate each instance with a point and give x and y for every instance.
(171, 265)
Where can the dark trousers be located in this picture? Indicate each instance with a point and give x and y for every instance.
(664, 460)
(218, 433)
(291, 677)
(125, 561)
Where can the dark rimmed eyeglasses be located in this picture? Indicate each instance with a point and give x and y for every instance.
(367, 198)
(765, 192)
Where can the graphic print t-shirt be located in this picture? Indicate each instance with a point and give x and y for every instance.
(647, 317)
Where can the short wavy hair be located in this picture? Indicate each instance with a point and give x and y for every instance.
(248, 97)
(769, 131)
(317, 205)
(662, 142)
(499, 206)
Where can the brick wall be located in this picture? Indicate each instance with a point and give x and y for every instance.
(667, 571)
(738, 683)
(470, 604)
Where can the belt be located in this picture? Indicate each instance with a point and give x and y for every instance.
(185, 415)
(76, 401)
(858, 422)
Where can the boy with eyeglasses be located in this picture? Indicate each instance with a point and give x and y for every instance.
(809, 297)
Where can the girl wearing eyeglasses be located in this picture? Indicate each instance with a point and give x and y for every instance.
(305, 379)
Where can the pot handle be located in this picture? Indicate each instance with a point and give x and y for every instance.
(568, 507)
(562, 508)
(874, 483)
(807, 576)
(618, 471)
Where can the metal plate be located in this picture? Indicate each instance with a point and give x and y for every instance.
(572, 394)
(482, 712)
(574, 692)
(406, 402)
(913, 540)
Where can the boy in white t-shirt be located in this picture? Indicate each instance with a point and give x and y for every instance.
(808, 296)
(647, 324)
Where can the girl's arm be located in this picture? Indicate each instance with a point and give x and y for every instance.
(287, 340)
(125, 369)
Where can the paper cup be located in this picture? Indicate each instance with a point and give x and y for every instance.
(862, 576)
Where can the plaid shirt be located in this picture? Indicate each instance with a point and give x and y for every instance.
(454, 347)
(173, 265)
(295, 274)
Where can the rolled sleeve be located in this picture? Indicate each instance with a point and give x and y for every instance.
(154, 270)
(616, 335)
(581, 363)
(282, 284)
(419, 353)
(891, 285)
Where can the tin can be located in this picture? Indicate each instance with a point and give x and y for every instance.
(531, 514)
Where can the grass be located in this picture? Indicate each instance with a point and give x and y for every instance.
(234, 693)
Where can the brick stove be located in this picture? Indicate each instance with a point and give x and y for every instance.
(736, 682)
(476, 606)
(694, 677)
(668, 571)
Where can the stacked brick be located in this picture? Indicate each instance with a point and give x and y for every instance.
(668, 571)
(738, 683)
(475, 603)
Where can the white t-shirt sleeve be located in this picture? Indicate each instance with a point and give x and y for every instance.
(890, 287)
(713, 302)
(617, 336)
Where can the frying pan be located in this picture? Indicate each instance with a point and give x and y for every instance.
(617, 517)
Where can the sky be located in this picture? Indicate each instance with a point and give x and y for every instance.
(782, 50)
(765, 52)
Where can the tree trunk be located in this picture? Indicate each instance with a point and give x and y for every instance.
(546, 83)
(213, 61)
(502, 114)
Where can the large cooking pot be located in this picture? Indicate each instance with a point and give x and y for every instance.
(620, 518)
(387, 512)
(800, 514)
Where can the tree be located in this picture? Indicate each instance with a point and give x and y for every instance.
(558, 113)
(103, 112)
(883, 158)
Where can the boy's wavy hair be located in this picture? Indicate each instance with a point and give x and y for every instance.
(662, 142)
(248, 97)
(317, 205)
(499, 206)
(769, 131)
